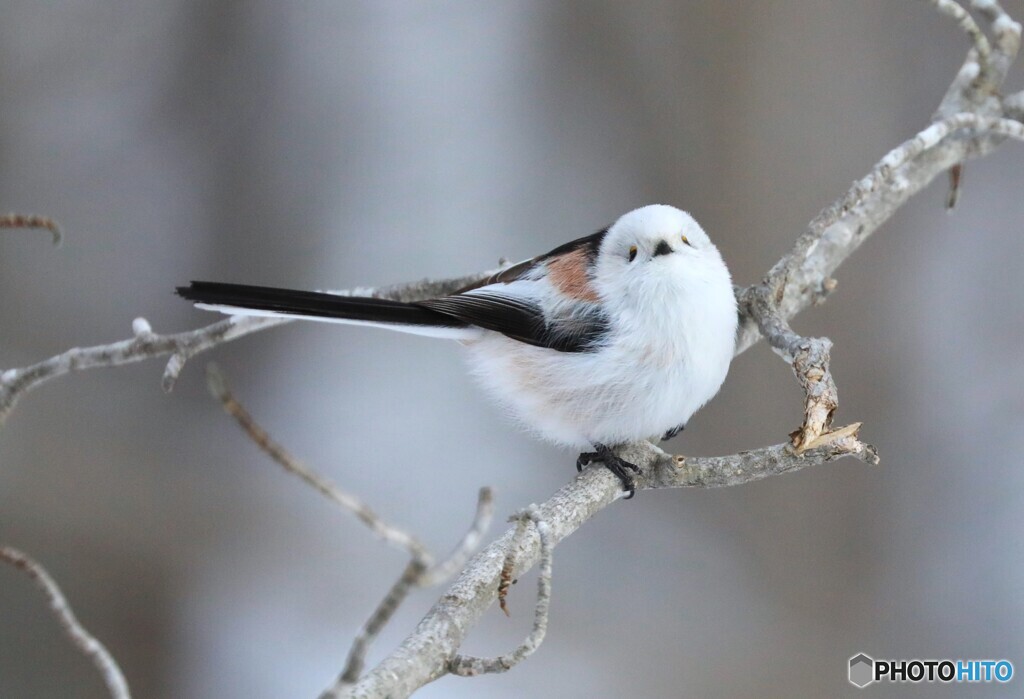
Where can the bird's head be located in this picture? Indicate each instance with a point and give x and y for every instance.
(657, 247)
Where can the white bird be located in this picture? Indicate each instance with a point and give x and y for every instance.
(618, 336)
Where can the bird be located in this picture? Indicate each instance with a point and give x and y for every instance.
(611, 338)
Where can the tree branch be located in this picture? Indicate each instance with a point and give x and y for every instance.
(425, 655)
(85, 642)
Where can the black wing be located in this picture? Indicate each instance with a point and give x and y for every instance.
(521, 319)
(524, 320)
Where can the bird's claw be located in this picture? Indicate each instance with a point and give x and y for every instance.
(614, 463)
(585, 459)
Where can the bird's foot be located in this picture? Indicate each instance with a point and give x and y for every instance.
(614, 463)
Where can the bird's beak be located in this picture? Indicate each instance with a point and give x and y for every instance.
(662, 249)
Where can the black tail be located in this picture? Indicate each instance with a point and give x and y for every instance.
(314, 304)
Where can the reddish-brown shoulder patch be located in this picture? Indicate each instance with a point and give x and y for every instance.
(568, 273)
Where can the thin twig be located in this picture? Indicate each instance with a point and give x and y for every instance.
(971, 28)
(84, 641)
(33, 221)
(468, 665)
(421, 571)
(1007, 34)
(356, 660)
(392, 535)
(963, 91)
(443, 570)
(416, 574)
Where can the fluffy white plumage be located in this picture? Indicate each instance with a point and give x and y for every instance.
(619, 336)
(670, 341)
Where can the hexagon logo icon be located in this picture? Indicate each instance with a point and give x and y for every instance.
(861, 670)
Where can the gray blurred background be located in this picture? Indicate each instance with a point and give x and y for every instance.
(329, 144)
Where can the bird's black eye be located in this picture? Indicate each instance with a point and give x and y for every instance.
(687, 241)
(632, 253)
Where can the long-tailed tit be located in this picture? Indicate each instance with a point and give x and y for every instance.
(618, 336)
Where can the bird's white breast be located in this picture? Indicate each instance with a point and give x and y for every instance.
(667, 354)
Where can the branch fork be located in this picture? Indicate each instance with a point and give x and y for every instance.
(809, 358)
